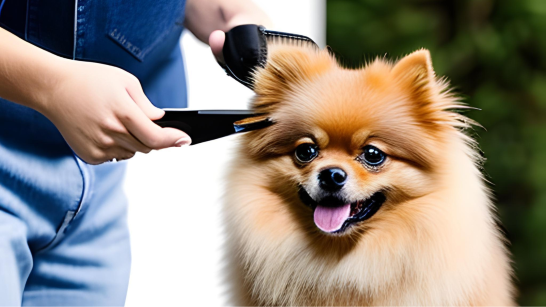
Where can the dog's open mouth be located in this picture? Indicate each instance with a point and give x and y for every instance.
(333, 216)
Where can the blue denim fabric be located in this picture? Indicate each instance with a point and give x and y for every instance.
(2, 5)
(63, 230)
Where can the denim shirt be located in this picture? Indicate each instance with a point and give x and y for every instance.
(139, 36)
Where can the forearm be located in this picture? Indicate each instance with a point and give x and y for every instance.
(27, 73)
(205, 16)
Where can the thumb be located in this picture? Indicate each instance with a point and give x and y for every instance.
(175, 137)
(138, 96)
(151, 134)
(216, 43)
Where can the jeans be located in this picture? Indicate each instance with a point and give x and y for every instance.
(63, 235)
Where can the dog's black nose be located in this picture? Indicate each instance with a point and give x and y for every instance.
(332, 179)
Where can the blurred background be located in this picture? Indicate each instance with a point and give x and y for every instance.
(492, 51)
(494, 54)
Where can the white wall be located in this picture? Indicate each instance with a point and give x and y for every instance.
(175, 194)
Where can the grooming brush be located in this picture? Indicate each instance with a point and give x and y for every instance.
(245, 49)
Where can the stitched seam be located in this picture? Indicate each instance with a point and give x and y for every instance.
(2, 5)
(59, 235)
(80, 27)
(75, 30)
(84, 183)
(26, 21)
(117, 37)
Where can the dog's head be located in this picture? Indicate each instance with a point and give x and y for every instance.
(348, 146)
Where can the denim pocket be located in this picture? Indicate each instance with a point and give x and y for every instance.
(139, 26)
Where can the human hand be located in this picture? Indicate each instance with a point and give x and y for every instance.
(103, 114)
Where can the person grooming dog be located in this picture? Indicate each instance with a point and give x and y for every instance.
(76, 81)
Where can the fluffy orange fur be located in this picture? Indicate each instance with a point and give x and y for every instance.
(433, 242)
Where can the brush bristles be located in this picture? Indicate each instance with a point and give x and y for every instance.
(288, 38)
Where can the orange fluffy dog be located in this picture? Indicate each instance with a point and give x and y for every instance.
(364, 192)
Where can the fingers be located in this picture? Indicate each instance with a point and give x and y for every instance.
(114, 133)
(216, 43)
(129, 142)
(113, 142)
(137, 95)
(150, 134)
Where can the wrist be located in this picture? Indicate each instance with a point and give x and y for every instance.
(54, 72)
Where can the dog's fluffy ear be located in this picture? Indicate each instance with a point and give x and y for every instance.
(416, 74)
(288, 68)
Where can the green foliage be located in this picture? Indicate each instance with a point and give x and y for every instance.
(493, 51)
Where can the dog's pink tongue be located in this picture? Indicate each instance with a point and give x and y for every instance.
(330, 219)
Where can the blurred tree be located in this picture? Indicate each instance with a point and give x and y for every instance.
(493, 51)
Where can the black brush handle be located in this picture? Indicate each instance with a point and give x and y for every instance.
(245, 49)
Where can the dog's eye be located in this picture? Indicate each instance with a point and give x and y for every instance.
(306, 152)
(373, 156)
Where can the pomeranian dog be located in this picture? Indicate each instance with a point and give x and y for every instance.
(365, 191)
